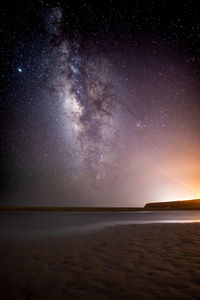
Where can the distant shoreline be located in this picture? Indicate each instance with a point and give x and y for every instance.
(154, 206)
(90, 209)
(68, 209)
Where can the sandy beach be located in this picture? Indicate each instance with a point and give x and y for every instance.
(153, 261)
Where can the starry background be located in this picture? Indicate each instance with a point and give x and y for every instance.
(100, 102)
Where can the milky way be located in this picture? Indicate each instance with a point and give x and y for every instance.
(86, 93)
(106, 114)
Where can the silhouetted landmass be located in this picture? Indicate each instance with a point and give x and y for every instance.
(68, 209)
(173, 205)
(169, 205)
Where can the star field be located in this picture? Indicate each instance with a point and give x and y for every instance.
(100, 102)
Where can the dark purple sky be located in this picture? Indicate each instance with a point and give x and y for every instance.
(100, 102)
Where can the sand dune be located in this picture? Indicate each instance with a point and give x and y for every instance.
(157, 261)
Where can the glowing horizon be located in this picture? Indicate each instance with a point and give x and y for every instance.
(111, 120)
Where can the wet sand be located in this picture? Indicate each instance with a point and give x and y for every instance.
(153, 261)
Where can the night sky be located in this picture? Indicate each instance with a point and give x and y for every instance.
(100, 102)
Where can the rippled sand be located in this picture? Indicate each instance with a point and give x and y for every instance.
(154, 261)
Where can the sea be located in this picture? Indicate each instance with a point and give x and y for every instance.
(20, 225)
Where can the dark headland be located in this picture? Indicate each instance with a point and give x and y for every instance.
(169, 205)
(173, 205)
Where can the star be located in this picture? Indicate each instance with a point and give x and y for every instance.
(87, 92)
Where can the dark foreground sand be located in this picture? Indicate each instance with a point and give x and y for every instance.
(157, 261)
